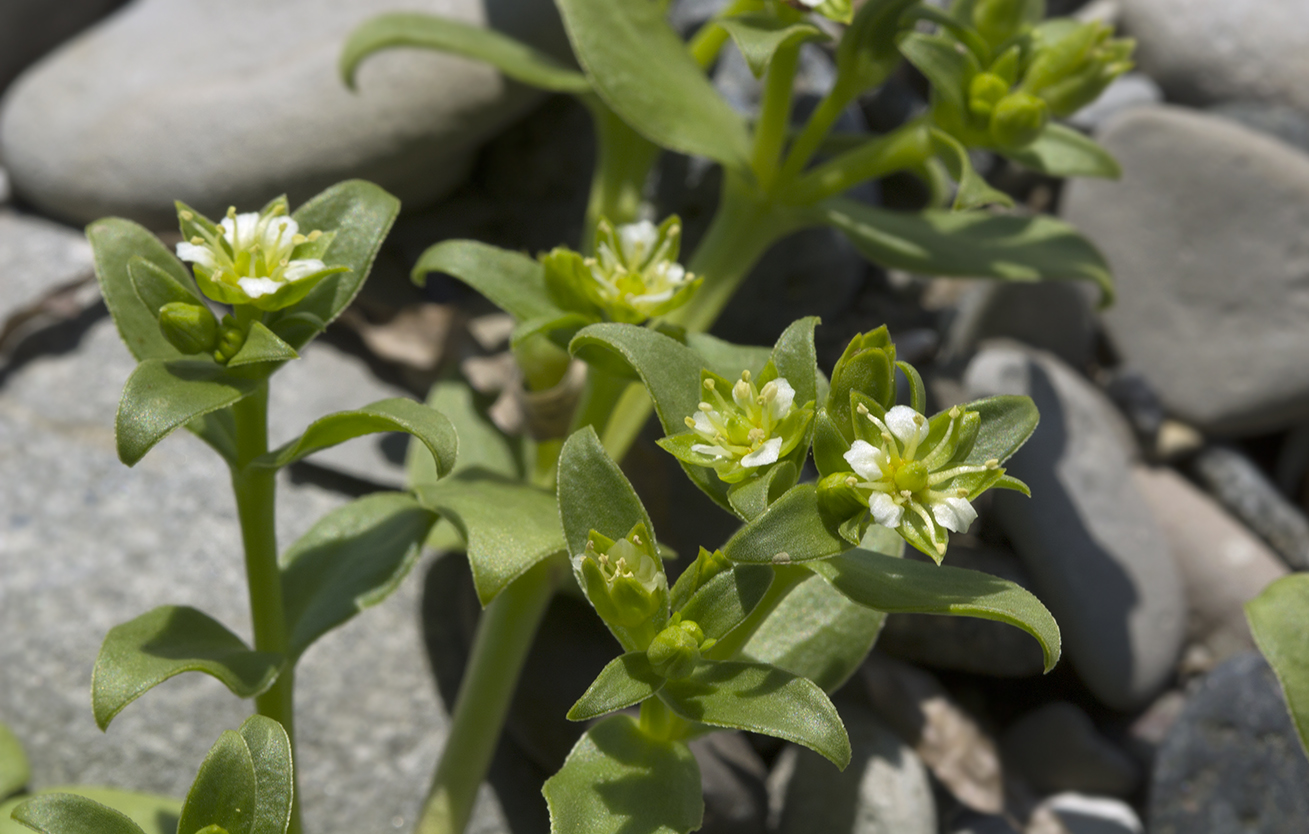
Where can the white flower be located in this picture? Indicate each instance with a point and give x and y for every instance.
(752, 429)
(635, 268)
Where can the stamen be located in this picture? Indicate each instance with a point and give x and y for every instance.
(745, 376)
(231, 212)
(993, 463)
(298, 239)
(851, 481)
(186, 215)
(862, 409)
(709, 383)
(315, 235)
(636, 539)
(197, 241)
(690, 423)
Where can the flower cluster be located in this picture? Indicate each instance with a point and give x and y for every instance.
(625, 580)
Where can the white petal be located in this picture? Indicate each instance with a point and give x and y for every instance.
(636, 240)
(743, 394)
(866, 460)
(303, 268)
(711, 451)
(703, 425)
(241, 231)
(954, 514)
(813, 4)
(670, 274)
(256, 287)
(765, 454)
(782, 400)
(885, 511)
(201, 255)
(277, 236)
(908, 426)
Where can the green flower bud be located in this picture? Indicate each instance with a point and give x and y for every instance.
(1018, 119)
(190, 328)
(999, 20)
(1073, 63)
(676, 650)
(866, 366)
(1068, 96)
(984, 91)
(624, 579)
(231, 337)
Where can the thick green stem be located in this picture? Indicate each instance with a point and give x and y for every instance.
(661, 722)
(504, 636)
(816, 129)
(256, 493)
(622, 165)
(785, 580)
(774, 115)
(904, 148)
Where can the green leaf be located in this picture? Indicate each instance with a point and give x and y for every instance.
(893, 585)
(218, 429)
(722, 603)
(64, 813)
(361, 214)
(225, 791)
(510, 280)
(974, 191)
(351, 559)
(14, 769)
(163, 394)
(142, 653)
(1007, 422)
(643, 71)
(970, 244)
(508, 525)
(262, 345)
(156, 286)
(751, 497)
(513, 58)
(151, 813)
(917, 391)
(115, 242)
(594, 494)
(728, 359)
(618, 778)
(1062, 151)
(270, 753)
(762, 699)
(626, 680)
(794, 529)
(396, 414)
(759, 35)
(945, 62)
(1277, 619)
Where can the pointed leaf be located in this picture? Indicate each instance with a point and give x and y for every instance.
(971, 244)
(65, 813)
(751, 497)
(262, 345)
(150, 813)
(114, 242)
(508, 525)
(759, 35)
(143, 653)
(722, 603)
(510, 280)
(796, 359)
(618, 778)
(594, 494)
(1061, 151)
(513, 58)
(1277, 619)
(643, 71)
(974, 191)
(156, 286)
(1007, 423)
(14, 769)
(794, 529)
(896, 585)
(270, 753)
(396, 414)
(225, 791)
(762, 699)
(945, 62)
(625, 681)
(917, 391)
(351, 559)
(162, 395)
(482, 445)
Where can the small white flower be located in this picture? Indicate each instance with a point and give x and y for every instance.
(753, 428)
(634, 269)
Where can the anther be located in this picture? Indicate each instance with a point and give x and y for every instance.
(315, 235)
(851, 481)
(197, 240)
(709, 383)
(231, 212)
(993, 463)
(690, 424)
(186, 215)
(862, 409)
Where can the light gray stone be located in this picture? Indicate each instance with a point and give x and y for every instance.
(1278, 120)
(1097, 557)
(733, 778)
(1134, 89)
(1076, 813)
(86, 543)
(234, 103)
(1202, 51)
(1057, 748)
(1205, 234)
(30, 28)
(1222, 565)
(1245, 491)
(39, 257)
(1053, 316)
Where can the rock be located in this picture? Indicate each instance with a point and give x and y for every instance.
(30, 28)
(971, 822)
(1245, 491)
(1232, 761)
(967, 644)
(1150, 728)
(1134, 89)
(1137, 400)
(1058, 748)
(142, 109)
(1278, 120)
(40, 259)
(952, 745)
(1075, 813)
(88, 543)
(1222, 565)
(1052, 316)
(1097, 558)
(1204, 236)
(4, 186)
(884, 790)
(1203, 51)
(733, 778)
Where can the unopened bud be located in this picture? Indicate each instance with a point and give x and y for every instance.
(190, 328)
(1018, 119)
(998, 20)
(675, 651)
(231, 337)
(984, 92)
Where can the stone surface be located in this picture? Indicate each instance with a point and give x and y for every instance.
(1058, 748)
(1245, 491)
(1135, 89)
(39, 258)
(1205, 234)
(967, 644)
(1075, 813)
(1202, 51)
(1232, 762)
(143, 109)
(971, 822)
(86, 543)
(1053, 316)
(884, 790)
(1277, 120)
(733, 777)
(30, 28)
(1098, 559)
(1222, 565)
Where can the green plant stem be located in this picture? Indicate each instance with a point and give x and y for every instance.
(708, 40)
(622, 165)
(504, 635)
(785, 580)
(774, 115)
(816, 129)
(256, 492)
(661, 722)
(904, 148)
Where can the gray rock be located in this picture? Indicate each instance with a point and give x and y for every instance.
(1075, 813)
(1222, 565)
(5, 193)
(967, 644)
(1057, 748)
(30, 28)
(971, 822)
(88, 543)
(1098, 559)
(1278, 120)
(1053, 316)
(733, 777)
(40, 258)
(1134, 89)
(1202, 51)
(1232, 762)
(1245, 491)
(143, 109)
(884, 790)
(1204, 233)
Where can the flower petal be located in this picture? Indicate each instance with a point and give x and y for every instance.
(765, 454)
(885, 511)
(908, 426)
(703, 426)
(954, 514)
(636, 241)
(240, 231)
(256, 287)
(780, 402)
(201, 255)
(711, 451)
(303, 268)
(866, 460)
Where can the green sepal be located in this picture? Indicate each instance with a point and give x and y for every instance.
(706, 566)
(140, 654)
(1061, 151)
(760, 34)
(723, 602)
(625, 681)
(262, 345)
(1006, 422)
(796, 528)
(867, 366)
(191, 328)
(830, 444)
(749, 498)
(156, 286)
(917, 391)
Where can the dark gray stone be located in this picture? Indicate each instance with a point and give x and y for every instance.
(31, 28)
(1097, 557)
(1134, 89)
(1053, 316)
(1245, 491)
(1289, 124)
(1058, 748)
(733, 778)
(971, 822)
(1232, 763)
